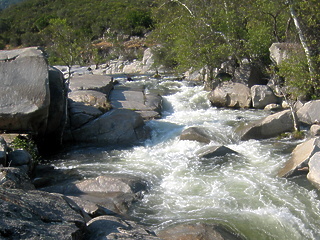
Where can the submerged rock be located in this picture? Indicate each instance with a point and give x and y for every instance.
(193, 231)
(195, 134)
(298, 163)
(214, 151)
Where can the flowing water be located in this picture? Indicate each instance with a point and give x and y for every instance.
(241, 192)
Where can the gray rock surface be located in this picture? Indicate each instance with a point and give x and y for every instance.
(282, 51)
(203, 231)
(110, 227)
(19, 158)
(99, 83)
(298, 162)
(15, 178)
(121, 127)
(25, 96)
(195, 134)
(262, 95)
(214, 151)
(314, 169)
(315, 130)
(3, 152)
(268, 127)
(92, 98)
(229, 94)
(249, 75)
(309, 113)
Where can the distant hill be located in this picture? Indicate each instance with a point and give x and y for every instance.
(6, 3)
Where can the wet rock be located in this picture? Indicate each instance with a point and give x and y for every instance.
(116, 127)
(15, 178)
(314, 169)
(214, 151)
(111, 227)
(298, 162)
(195, 134)
(262, 95)
(38, 215)
(25, 96)
(268, 127)
(233, 95)
(192, 231)
(310, 112)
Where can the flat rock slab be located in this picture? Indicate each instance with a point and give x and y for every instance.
(91, 82)
(24, 90)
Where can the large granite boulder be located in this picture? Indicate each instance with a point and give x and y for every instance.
(262, 95)
(203, 231)
(92, 98)
(309, 113)
(25, 95)
(282, 51)
(314, 170)
(111, 227)
(249, 74)
(39, 215)
(268, 127)
(315, 130)
(229, 94)
(298, 163)
(116, 127)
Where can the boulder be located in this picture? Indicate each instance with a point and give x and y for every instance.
(3, 152)
(39, 215)
(116, 127)
(214, 151)
(203, 231)
(99, 83)
(57, 111)
(273, 107)
(309, 113)
(262, 95)
(268, 127)
(314, 170)
(228, 94)
(298, 162)
(249, 74)
(111, 227)
(15, 178)
(195, 134)
(315, 130)
(282, 51)
(25, 95)
(19, 158)
(92, 98)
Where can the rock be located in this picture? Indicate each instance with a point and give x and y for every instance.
(272, 107)
(39, 215)
(214, 151)
(195, 134)
(268, 127)
(116, 127)
(203, 231)
(3, 152)
(100, 83)
(249, 75)
(15, 178)
(19, 158)
(314, 169)
(111, 227)
(310, 112)
(57, 111)
(228, 94)
(300, 157)
(282, 51)
(25, 95)
(113, 194)
(262, 95)
(315, 130)
(92, 98)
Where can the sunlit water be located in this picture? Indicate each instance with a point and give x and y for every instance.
(241, 192)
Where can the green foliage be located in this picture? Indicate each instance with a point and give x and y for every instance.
(27, 144)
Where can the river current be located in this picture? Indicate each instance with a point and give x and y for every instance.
(241, 192)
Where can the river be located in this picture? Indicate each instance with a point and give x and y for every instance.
(241, 192)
